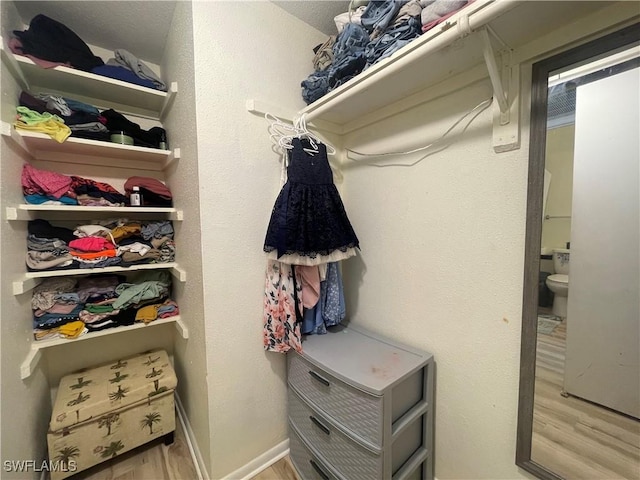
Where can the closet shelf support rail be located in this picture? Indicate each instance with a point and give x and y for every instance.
(261, 108)
(34, 355)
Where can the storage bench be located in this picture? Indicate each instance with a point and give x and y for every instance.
(105, 411)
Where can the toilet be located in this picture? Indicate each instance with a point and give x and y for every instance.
(558, 283)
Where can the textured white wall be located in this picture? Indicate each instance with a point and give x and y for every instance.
(441, 269)
(556, 232)
(242, 50)
(182, 178)
(23, 425)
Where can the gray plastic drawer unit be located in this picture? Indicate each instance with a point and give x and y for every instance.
(360, 408)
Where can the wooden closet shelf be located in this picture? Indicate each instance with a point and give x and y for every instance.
(25, 212)
(421, 70)
(31, 279)
(90, 152)
(89, 87)
(35, 353)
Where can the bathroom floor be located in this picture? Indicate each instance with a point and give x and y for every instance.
(547, 321)
(573, 437)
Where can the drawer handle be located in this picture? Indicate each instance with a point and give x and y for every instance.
(320, 379)
(319, 470)
(319, 425)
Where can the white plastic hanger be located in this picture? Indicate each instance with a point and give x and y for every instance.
(281, 133)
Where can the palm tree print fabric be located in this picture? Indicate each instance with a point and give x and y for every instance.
(94, 392)
(98, 418)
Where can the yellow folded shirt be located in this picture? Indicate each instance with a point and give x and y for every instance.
(124, 231)
(71, 329)
(147, 314)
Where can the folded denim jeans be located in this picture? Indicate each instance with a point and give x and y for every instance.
(379, 14)
(393, 40)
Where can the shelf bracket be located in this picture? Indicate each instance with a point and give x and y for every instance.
(506, 92)
(494, 72)
(7, 130)
(13, 67)
(12, 213)
(174, 157)
(171, 95)
(183, 330)
(24, 285)
(179, 273)
(30, 363)
(177, 216)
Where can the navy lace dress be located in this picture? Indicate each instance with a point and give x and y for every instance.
(309, 224)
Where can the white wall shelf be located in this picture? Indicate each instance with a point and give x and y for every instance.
(420, 71)
(84, 86)
(90, 152)
(35, 353)
(30, 279)
(26, 212)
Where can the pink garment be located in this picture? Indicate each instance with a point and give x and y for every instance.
(151, 184)
(91, 244)
(15, 45)
(63, 308)
(44, 182)
(428, 26)
(310, 280)
(281, 331)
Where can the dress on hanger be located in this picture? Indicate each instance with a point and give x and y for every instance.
(309, 224)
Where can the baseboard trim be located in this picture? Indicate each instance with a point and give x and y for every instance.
(196, 456)
(261, 462)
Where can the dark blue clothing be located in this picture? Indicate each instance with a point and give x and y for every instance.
(124, 74)
(308, 217)
(393, 40)
(379, 14)
(348, 60)
(51, 40)
(354, 51)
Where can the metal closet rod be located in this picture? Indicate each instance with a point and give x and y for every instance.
(547, 217)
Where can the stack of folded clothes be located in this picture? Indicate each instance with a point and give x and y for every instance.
(46, 187)
(117, 242)
(154, 192)
(370, 34)
(66, 307)
(50, 43)
(61, 117)
(83, 120)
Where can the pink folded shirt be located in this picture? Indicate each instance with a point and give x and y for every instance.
(45, 182)
(91, 244)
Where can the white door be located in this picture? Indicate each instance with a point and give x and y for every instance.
(603, 317)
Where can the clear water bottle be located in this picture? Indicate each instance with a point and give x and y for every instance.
(136, 197)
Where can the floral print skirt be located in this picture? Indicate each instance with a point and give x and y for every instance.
(281, 329)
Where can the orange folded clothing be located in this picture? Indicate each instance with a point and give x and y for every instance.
(93, 255)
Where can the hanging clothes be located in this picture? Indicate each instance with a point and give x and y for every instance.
(330, 309)
(281, 330)
(309, 225)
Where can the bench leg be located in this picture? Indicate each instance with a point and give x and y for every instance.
(168, 438)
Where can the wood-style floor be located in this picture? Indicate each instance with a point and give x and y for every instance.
(281, 470)
(157, 461)
(575, 438)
